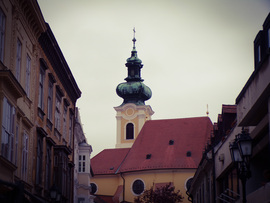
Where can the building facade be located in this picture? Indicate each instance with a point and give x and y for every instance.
(38, 95)
(252, 115)
(82, 172)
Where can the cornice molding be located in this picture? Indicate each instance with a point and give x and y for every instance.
(59, 64)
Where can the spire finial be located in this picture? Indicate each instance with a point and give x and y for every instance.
(134, 39)
(207, 111)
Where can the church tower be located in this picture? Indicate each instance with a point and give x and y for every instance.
(132, 113)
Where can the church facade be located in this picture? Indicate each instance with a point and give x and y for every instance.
(148, 152)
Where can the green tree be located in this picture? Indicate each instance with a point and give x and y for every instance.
(164, 194)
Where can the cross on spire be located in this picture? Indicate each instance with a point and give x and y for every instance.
(134, 39)
(134, 32)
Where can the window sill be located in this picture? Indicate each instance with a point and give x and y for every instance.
(49, 124)
(57, 134)
(41, 113)
(7, 164)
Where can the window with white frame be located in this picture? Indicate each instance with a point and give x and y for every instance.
(27, 75)
(50, 99)
(65, 122)
(25, 142)
(57, 111)
(138, 187)
(41, 88)
(70, 128)
(18, 60)
(2, 34)
(7, 141)
(82, 162)
(16, 144)
(94, 188)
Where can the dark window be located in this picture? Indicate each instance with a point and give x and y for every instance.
(50, 99)
(93, 188)
(2, 34)
(39, 159)
(188, 153)
(130, 131)
(41, 88)
(48, 166)
(148, 156)
(138, 187)
(61, 170)
(7, 130)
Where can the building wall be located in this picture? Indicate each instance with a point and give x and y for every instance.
(253, 106)
(110, 184)
(34, 150)
(130, 113)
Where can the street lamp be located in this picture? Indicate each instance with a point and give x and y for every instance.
(55, 194)
(241, 151)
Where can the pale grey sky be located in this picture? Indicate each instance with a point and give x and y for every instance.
(195, 52)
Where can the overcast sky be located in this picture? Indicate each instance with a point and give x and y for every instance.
(195, 53)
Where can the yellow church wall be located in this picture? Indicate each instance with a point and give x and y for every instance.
(178, 177)
(106, 185)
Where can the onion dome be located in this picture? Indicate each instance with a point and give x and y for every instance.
(134, 90)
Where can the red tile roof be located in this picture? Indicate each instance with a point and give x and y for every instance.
(187, 135)
(108, 161)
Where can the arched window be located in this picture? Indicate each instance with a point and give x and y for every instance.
(130, 131)
(188, 183)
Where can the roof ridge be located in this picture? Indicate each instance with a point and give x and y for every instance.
(165, 119)
(122, 161)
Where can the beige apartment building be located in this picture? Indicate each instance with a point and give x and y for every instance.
(38, 95)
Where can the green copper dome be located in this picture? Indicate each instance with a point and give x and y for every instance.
(134, 90)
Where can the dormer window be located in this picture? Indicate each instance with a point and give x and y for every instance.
(130, 131)
(188, 153)
(171, 142)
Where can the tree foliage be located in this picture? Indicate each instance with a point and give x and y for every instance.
(165, 194)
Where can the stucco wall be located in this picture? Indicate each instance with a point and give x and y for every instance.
(107, 185)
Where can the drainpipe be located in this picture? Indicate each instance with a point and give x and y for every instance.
(121, 174)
